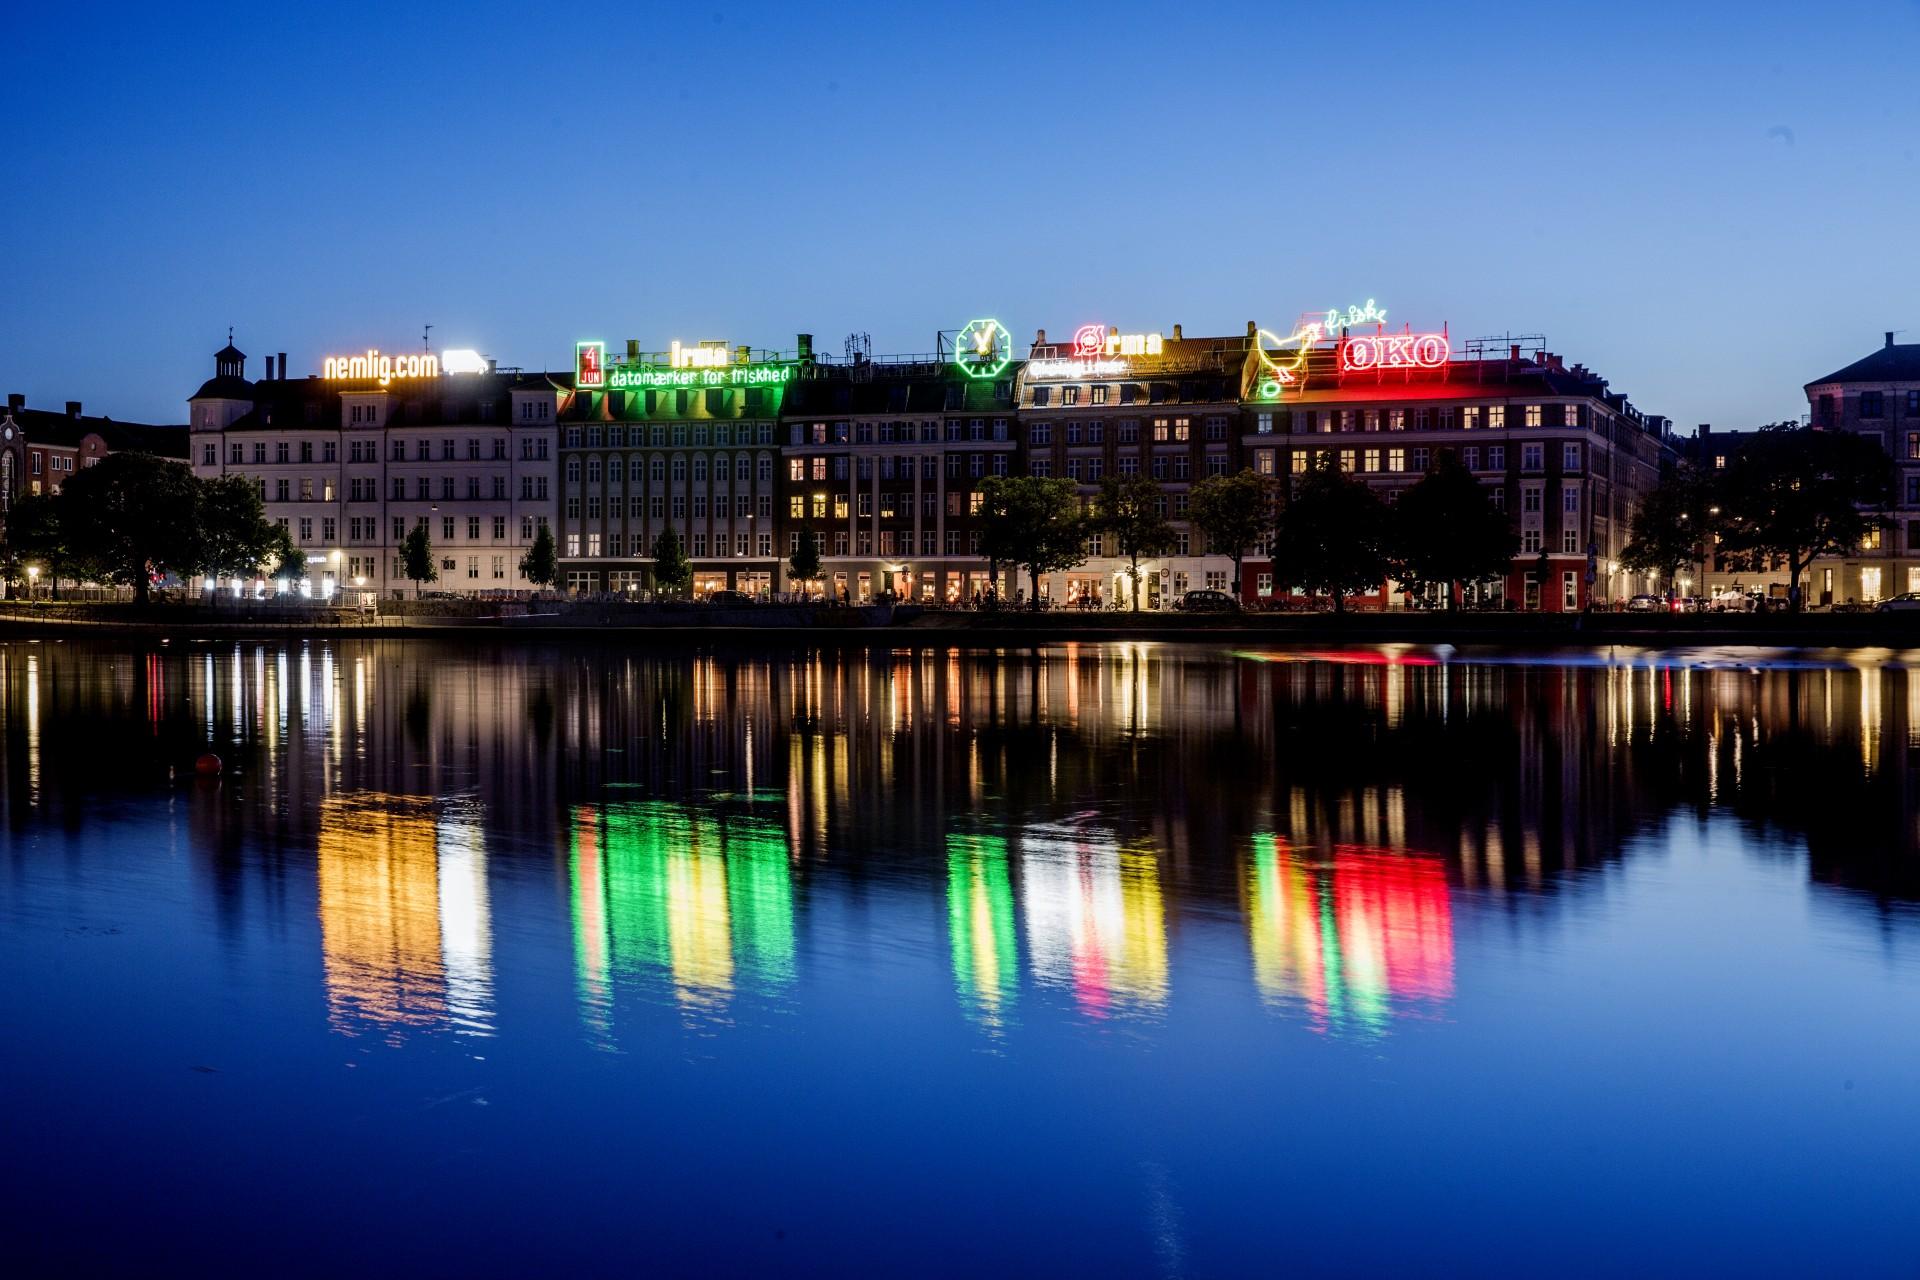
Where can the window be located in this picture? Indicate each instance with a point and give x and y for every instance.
(1571, 415)
(1532, 416)
(1570, 498)
(1469, 417)
(1530, 498)
(1872, 404)
(1570, 541)
(1396, 460)
(1040, 433)
(1496, 457)
(1530, 541)
(1530, 457)
(1569, 457)
(1496, 417)
(1370, 459)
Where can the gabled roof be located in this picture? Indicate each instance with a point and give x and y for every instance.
(1894, 362)
(61, 431)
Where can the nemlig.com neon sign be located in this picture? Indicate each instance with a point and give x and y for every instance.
(374, 367)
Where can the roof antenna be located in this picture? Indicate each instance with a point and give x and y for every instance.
(425, 338)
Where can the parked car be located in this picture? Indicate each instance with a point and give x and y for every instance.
(1207, 602)
(1646, 604)
(728, 598)
(1900, 603)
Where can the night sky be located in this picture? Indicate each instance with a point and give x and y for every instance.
(1710, 204)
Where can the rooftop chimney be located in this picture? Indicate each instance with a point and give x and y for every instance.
(73, 408)
(16, 401)
(633, 350)
(1176, 333)
(1253, 330)
(803, 343)
(1889, 337)
(1513, 352)
(1040, 338)
(282, 375)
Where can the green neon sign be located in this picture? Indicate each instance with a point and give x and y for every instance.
(658, 377)
(983, 349)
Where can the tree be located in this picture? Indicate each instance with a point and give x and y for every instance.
(1032, 522)
(1671, 522)
(1330, 538)
(131, 515)
(1798, 493)
(540, 565)
(35, 535)
(234, 535)
(1445, 529)
(672, 571)
(804, 563)
(1129, 508)
(416, 557)
(1236, 512)
(291, 559)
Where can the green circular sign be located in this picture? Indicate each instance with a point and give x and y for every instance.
(983, 349)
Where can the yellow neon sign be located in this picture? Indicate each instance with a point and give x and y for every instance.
(374, 367)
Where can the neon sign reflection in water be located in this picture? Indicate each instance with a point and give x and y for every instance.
(379, 905)
(1095, 919)
(662, 888)
(986, 960)
(1350, 937)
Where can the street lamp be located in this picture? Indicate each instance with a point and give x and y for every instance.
(33, 580)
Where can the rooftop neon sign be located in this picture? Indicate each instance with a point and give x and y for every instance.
(623, 377)
(374, 367)
(983, 349)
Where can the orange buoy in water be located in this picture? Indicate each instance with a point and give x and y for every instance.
(207, 765)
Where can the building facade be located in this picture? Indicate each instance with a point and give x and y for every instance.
(40, 449)
(351, 462)
(1111, 403)
(682, 439)
(882, 461)
(1566, 457)
(1877, 397)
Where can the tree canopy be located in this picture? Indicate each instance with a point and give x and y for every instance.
(1130, 509)
(416, 556)
(1671, 523)
(1330, 537)
(1034, 522)
(1798, 494)
(804, 563)
(132, 516)
(1235, 512)
(672, 571)
(1445, 529)
(540, 565)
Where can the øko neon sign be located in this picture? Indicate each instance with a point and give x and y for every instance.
(1394, 351)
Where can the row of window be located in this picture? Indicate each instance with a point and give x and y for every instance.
(1470, 417)
(1416, 460)
(743, 468)
(367, 528)
(366, 489)
(800, 470)
(955, 431)
(1104, 393)
(1126, 431)
(615, 544)
(679, 434)
(532, 449)
(1873, 404)
(655, 505)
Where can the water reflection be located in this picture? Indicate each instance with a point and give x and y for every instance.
(1095, 921)
(1355, 938)
(986, 960)
(404, 929)
(698, 895)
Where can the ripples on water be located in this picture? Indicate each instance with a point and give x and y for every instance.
(1084, 957)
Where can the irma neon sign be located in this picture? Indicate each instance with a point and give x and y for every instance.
(374, 367)
(1099, 352)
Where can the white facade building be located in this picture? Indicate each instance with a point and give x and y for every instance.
(350, 465)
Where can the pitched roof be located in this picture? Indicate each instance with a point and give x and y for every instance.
(45, 427)
(1894, 362)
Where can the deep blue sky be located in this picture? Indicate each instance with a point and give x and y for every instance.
(1709, 203)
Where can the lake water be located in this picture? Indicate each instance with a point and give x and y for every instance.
(1099, 960)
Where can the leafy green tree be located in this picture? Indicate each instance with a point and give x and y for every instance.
(1445, 529)
(416, 557)
(1672, 523)
(1130, 509)
(1331, 536)
(130, 516)
(541, 566)
(1032, 522)
(291, 559)
(1798, 494)
(804, 563)
(672, 571)
(1235, 512)
(35, 535)
(234, 535)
